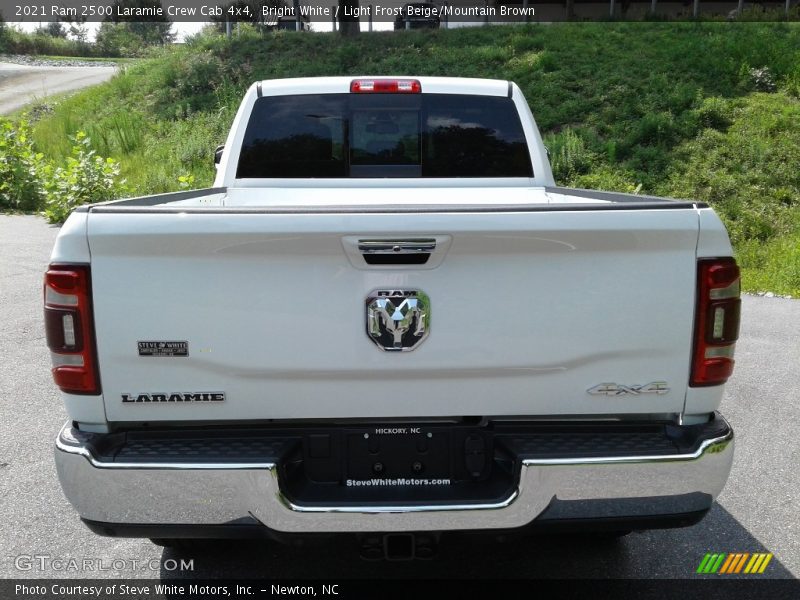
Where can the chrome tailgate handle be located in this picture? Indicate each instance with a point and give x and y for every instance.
(415, 246)
(396, 251)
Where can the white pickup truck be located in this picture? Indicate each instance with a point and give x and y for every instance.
(385, 318)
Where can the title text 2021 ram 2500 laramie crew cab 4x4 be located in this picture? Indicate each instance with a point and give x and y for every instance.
(386, 318)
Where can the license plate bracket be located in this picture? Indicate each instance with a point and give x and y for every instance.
(392, 452)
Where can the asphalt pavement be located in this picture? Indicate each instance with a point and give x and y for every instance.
(21, 84)
(759, 510)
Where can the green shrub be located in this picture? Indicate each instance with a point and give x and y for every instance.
(186, 182)
(610, 179)
(194, 80)
(19, 168)
(792, 84)
(569, 156)
(762, 79)
(14, 41)
(654, 128)
(85, 178)
(714, 112)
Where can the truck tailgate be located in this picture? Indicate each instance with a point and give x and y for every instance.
(528, 311)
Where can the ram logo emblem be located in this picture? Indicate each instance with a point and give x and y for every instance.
(398, 320)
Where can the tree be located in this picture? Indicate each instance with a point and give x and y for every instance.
(127, 35)
(248, 11)
(348, 17)
(53, 29)
(2, 33)
(78, 31)
(157, 30)
(116, 39)
(130, 38)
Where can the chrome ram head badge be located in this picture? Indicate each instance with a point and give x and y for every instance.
(398, 320)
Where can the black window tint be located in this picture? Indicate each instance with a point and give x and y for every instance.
(295, 136)
(473, 136)
(384, 135)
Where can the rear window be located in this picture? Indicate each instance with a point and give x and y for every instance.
(384, 135)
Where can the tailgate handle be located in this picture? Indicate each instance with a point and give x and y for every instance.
(397, 252)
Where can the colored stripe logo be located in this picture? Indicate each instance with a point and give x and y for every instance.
(734, 563)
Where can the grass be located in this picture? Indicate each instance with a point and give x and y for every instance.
(14, 41)
(698, 110)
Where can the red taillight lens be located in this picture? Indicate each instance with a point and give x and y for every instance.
(716, 327)
(69, 328)
(385, 86)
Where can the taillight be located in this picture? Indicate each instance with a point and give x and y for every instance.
(716, 327)
(385, 86)
(69, 328)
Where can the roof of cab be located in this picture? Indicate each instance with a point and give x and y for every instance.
(341, 85)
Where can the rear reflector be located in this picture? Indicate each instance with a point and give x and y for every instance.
(717, 316)
(69, 328)
(385, 86)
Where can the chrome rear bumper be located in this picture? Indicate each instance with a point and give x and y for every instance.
(227, 493)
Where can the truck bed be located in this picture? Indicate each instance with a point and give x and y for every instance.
(381, 197)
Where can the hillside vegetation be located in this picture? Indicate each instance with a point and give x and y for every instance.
(708, 111)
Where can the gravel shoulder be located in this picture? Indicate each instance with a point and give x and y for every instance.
(21, 84)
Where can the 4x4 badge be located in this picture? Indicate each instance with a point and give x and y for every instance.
(616, 389)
